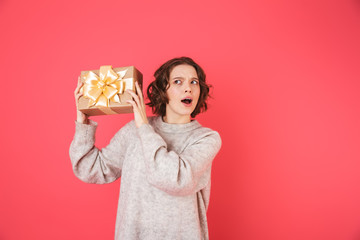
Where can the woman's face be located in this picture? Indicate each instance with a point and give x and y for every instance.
(183, 93)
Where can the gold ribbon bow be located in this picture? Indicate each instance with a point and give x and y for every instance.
(101, 90)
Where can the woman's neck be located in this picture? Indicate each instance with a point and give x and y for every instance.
(177, 120)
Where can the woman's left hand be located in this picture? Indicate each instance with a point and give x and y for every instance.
(138, 106)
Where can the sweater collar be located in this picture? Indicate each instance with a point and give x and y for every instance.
(174, 128)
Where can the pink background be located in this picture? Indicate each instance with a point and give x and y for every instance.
(286, 103)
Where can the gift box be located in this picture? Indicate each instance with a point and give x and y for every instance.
(104, 90)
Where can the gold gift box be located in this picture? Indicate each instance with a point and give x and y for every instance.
(132, 75)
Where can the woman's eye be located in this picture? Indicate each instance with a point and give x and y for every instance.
(194, 82)
(177, 81)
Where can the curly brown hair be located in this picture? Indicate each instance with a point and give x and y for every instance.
(156, 91)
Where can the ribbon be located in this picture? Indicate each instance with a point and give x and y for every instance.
(101, 90)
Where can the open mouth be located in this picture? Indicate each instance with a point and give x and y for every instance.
(186, 100)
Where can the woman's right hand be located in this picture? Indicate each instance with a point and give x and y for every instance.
(81, 117)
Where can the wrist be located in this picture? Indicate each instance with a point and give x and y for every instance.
(83, 121)
(138, 125)
(82, 118)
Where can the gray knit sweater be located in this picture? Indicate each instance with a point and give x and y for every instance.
(165, 172)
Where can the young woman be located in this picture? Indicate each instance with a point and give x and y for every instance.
(164, 161)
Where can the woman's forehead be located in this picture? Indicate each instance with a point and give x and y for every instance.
(183, 70)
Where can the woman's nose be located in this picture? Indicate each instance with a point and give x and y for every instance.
(187, 88)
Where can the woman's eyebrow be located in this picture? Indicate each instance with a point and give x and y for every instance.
(194, 78)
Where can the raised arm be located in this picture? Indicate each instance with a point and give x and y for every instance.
(177, 174)
(90, 164)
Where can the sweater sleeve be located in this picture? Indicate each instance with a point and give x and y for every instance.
(92, 165)
(178, 174)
